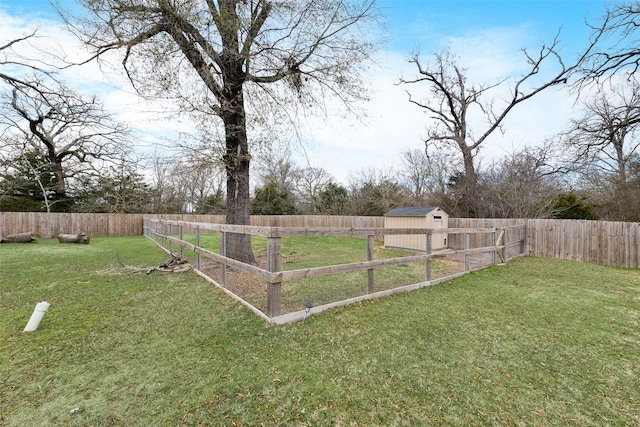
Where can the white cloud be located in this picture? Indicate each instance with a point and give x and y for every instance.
(55, 47)
(345, 146)
(342, 146)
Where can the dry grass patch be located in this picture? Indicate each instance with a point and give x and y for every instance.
(537, 342)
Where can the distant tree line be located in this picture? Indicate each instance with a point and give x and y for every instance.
(62, 152)
(70, 157)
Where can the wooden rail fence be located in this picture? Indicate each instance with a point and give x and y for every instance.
(170, 235)
(601, 242)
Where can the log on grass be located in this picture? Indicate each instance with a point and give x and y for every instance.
(20, 238)
(73, 238)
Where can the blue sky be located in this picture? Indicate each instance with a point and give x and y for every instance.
(423, 21)
(488, 35)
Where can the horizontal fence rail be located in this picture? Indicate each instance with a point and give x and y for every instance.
(176, 236)
(601, 242)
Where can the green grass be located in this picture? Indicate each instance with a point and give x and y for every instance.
(537, 342)
(309, 252)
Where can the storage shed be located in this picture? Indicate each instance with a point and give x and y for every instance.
(416, 217)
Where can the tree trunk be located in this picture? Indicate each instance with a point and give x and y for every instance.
(73, 238)
(618, 144)
(236, 162)
(19, 238)
(470, 183)
(58, 170)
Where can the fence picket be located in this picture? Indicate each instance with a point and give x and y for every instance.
(601, 242)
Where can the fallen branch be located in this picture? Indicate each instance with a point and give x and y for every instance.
(175, 264)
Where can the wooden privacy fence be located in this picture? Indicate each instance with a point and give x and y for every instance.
(601, 242)
(172, 237)
(49, 225)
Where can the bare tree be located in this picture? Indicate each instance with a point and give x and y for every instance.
(453, 103)
(310, 183)
(200, 178)
(605, 135)
(207, 184)
(427, 174)
(523, 185)
(276, 166)
(73, 134)
(604, 143)
(11, 60)
(160, 167)
(614, 44)
(186, 180)
(375, 191)
(237, 49)
(416, 172)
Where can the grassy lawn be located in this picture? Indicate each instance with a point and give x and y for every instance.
(309, 252)
(536, 342)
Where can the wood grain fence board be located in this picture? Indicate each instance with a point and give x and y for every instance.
(567, 237)
(538, 237)
(579, 242)
(631, 245)
(612, 243)
(603, 247)
(634, 262)
(631, 234)
(611, 240)
(593, 241)
(541, 240)
(529, 238)
(564, 240)
(607, 252)
(608, 243)
(602, 242)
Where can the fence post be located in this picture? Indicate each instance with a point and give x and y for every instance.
(370, 271)
(165, 233)
(494, 239)
(158, 233)
(427, 251)
(223, 252)
(170, 241)
(181, 238)
(466, 254)
(274, 264)
(198, 245)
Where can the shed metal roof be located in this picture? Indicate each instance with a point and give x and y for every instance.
(411, 211)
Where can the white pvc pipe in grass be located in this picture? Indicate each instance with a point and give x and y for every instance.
(36, 317)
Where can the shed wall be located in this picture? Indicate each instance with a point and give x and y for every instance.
(416, 241)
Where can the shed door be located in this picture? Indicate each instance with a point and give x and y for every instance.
(439, 239)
